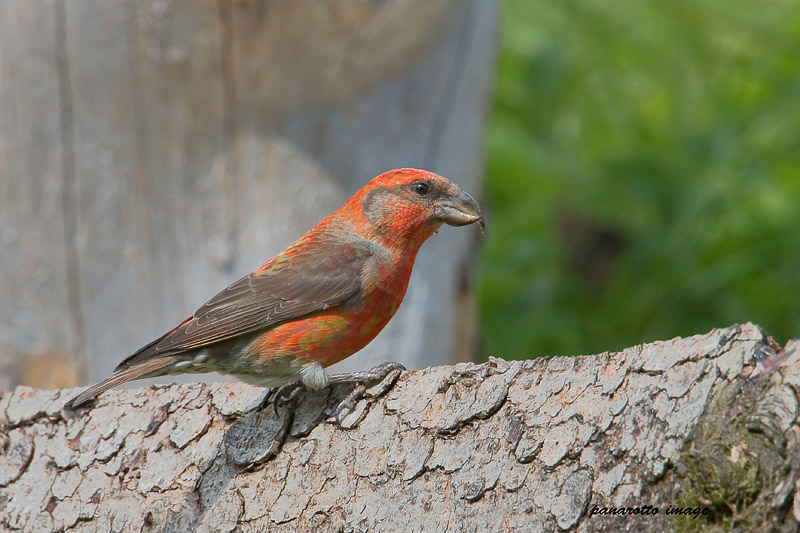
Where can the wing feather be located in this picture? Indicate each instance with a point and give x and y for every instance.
(304, 279)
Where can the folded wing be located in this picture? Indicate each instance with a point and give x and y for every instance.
(302, 280)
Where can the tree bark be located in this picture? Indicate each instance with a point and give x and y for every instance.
(152, 152)
(706, 422)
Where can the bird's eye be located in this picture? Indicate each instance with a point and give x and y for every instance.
(421, 188)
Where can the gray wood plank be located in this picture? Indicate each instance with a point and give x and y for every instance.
(116, 230)
(34, 315)
(197, 139)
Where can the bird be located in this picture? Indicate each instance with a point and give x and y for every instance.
(318, 301)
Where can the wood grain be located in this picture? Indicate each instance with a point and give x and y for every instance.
(152, 152)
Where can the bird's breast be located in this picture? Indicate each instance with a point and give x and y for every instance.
(331, 335)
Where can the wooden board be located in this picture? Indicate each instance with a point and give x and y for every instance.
(151, 152)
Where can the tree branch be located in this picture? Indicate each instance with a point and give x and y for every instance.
(706, 422)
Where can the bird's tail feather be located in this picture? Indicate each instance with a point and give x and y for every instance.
(148, 368)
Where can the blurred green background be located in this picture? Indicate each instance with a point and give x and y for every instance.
(643, 174)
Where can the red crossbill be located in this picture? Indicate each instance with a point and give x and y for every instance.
(317, 302)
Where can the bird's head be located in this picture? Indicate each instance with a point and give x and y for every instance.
(410, 205)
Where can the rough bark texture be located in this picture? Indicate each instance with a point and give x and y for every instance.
(705, 422)
(154, 151)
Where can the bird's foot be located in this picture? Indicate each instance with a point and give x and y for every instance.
(280, 396)
(374, 375)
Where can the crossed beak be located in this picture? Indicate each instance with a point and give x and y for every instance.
(459, 210)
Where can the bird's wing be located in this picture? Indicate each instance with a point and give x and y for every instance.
(302, 280)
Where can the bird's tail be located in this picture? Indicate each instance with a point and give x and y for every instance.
(147, 368)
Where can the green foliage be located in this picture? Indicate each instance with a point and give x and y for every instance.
(643, 173)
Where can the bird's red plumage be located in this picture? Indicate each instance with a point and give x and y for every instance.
(329, 336)
(319, 301)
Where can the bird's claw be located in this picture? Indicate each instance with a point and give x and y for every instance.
(349, 402)
(376, 374)
(284, 395)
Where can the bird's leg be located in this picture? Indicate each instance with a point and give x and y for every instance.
(375, 374)
(312, 377)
